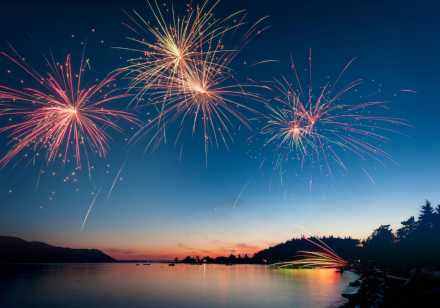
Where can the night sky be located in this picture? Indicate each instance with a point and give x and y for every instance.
(169, 203)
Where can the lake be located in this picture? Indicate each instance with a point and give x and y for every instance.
(159, 285)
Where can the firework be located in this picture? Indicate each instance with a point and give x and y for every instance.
(240, 194)
(320, 125)
(89, 209)
(326, 257)
(115, 180)
(168, 46)
(59, 114)
(186, 72)
(206, 97)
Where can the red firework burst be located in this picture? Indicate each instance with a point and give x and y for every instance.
(60, 114)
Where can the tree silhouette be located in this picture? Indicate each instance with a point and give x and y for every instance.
(382, 236)
(417, 242)
(408, 228)
(380, 244)
(437, 219)
(426, 217)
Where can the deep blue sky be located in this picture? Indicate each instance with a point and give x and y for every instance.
(165, 205)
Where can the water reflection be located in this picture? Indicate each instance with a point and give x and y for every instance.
(159, 285)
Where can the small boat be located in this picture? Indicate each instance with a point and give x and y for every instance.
(171, 264)
(146, 264)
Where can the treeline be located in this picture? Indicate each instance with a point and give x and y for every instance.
(231, 259)
(416, 243)
(347, 248)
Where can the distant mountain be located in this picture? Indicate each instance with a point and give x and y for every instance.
(16, 250)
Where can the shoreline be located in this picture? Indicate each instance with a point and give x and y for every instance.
(376, 287)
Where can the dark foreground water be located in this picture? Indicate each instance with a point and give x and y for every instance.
(159, 285)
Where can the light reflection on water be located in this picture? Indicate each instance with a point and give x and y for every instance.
(159, 285)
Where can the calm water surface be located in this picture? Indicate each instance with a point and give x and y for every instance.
(159, 285)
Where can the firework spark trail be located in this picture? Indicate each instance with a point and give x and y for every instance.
(325, 257)
(319, 126)
(92, 204)
(263, 62)
(60, 114)
(37, 183)
(370, 178)
(408, 91)
(115, 180)
(240, 194)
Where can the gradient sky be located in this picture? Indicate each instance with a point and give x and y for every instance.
(165, 205)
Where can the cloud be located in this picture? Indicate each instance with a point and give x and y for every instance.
(244, 246)
(213, 248)
(218, 248)
(120, 251)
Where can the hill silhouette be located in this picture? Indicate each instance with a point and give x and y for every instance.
(348, 248)
(16, 250)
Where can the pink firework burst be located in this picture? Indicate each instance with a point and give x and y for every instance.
(321, 124)
(60, 115)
